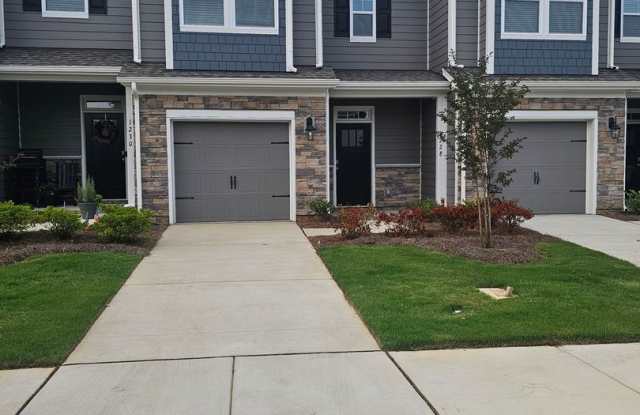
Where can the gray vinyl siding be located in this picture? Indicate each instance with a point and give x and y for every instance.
(30, 29)
(627, 54)
(229, 51)
(467, 32)
(428, 150)
(152, 30)
(557, 57)
(304, 33)
(438, 35)
(405, 50)
(604, 25)
(50, 115)
(8, 127)
(397, 128)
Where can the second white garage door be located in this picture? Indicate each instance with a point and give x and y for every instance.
(228, 171)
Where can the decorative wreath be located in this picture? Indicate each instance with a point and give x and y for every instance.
(105, 131)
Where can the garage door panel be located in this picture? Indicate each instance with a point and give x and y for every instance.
(219, 151)
(550, 169)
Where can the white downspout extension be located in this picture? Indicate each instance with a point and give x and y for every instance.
(136, 117)
(135, 25)
(131, 148)
(2, 35)
(611, 39)
(319, 36)
(288, 6)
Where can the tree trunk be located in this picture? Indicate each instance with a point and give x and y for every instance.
(484, 214)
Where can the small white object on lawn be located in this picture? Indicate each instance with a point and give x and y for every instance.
(498, 293)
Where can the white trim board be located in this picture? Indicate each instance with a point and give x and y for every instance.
(319, 34)
(591, 119)
(231, 116)
(372, 121)
(168, 34)
(441, 153)
(2, 32)
(595, 37)
(135, 25)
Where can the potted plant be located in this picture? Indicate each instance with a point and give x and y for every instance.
(87, 199)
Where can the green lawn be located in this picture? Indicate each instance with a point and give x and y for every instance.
(48, 303)
(406, 296)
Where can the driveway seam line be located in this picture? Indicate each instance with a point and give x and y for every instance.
(233, 373)
(618, 381)
(413, 385)
(172, 359)
(38, 389)
(223, 282)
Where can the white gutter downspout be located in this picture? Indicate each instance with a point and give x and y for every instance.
(168, 34)
(595, 37)
(319, 35)
(288, 6)
(451, 32)
(136, 118)
(131, 147)
(2, 35)
(135, 25)
(490, 33)
(611, 44)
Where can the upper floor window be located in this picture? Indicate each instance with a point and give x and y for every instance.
(544, 19)
(363, 20)
(66, 8)
(229, 16)
(630, 21)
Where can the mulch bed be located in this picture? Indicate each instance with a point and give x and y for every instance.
(620, 215)
(314, 221)
(509, 248)
(42, 242)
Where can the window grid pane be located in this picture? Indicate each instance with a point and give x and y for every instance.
(204, 12)
(632, 26)
(65, 5)
(362, 5)
(565, 17)
(254, 13)
(363, 25)
(521, 16)
(632, 6)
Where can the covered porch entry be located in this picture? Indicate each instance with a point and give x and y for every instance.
(55, 135)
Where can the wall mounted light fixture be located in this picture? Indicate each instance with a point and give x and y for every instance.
(614, 128)
(309, 127)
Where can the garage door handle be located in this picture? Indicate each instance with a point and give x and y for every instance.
(279, 195)
(185, 198)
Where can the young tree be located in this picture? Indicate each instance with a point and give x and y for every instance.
(477, 132)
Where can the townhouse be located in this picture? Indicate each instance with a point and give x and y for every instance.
(213, 110)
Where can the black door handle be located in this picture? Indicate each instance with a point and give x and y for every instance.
(231, 182)
(235, 182)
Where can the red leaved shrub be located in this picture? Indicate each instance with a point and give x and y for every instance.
(354, 222)
(508, 215)
(455, 218)
(408, 221)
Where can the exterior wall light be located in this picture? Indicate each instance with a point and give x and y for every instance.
(614, 128)
(309, 127)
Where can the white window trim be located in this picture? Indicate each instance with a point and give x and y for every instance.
(230, 22)
(69, 15)
(623, 38)
(354, 38)
(543, 24)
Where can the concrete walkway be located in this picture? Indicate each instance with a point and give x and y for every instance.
(616, 238)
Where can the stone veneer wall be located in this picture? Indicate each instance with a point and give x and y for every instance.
(397, 186)
(310, 155)
(611, 152)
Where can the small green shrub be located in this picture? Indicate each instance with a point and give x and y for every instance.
(633, 201)
(87, 193)
(122, 224)
(63, 222)
(15, 218)
(322, 207)
(425, 205)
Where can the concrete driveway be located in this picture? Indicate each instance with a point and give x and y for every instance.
(238, 318)
(613, 237)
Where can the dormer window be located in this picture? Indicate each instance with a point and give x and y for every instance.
(229, 16)
(630, 21)
(544, 19)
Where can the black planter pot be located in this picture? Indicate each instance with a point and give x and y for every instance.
(88, 209)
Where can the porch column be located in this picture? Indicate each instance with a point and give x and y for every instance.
(441, 152)
(131, 151)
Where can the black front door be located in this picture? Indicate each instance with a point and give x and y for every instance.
(633, 157)
(353, 164)
(105, 153)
